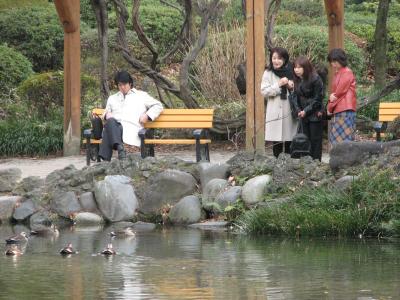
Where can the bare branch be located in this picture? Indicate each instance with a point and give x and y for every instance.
(172, 5)
(141, 35)
(100, 9)
(273, 8)
(194, 52)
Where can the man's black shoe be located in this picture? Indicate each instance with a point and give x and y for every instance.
(121, 152)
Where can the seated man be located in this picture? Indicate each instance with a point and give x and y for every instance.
(125, 114)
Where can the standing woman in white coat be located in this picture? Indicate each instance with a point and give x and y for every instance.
(280, 127)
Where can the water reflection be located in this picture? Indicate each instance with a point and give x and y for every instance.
(194, 264)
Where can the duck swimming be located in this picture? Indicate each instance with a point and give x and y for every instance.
(13, 250)
(67, 250)
(17, 239)
(125, 232)
(109, 250)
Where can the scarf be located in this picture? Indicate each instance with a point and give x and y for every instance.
(284, 71)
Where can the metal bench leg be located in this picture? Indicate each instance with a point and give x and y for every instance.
(198, 150)
(88, 145)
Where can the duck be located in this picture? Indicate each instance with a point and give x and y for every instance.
(13, 250)
(67, 250)
(18, 238)
(125, 232)
(46, 231)
(109, 250)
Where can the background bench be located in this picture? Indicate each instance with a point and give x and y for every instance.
(388, 111)
(198, 119)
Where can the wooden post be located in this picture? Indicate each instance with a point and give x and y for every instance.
(335, 14)
(255, 62)
(69, 15)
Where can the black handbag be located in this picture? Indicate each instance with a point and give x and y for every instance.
(294, 105)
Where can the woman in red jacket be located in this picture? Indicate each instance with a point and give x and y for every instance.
(342, 100)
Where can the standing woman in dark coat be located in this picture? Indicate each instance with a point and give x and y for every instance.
(309, 89)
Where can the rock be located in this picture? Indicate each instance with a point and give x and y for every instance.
(88, 203)
(40, 218)
(186, 211)
(166, 189)
(9, 178)
(213, 189)
(65, 204)
(229, 197)
(208, 171)
(143, 226)
(254, 189)
(88, 218)
(211, 225)
(349, 154)
(343, 183)
(28, 184)
(7, 205)
(245, 164)
(24, 210)
(116, 198)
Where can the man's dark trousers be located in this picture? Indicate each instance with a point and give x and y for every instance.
(112, 138)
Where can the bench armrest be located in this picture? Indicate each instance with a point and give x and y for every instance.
(87, 133)
(142, 132)
(197, 133)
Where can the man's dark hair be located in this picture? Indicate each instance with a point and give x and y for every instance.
(282, 53)
(123, 77)
(338, 54)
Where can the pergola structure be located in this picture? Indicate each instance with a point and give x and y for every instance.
(69, 15)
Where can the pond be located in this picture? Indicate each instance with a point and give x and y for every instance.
(184, 263)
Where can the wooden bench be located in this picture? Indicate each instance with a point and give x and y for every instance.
(388, 111)
(201, 120)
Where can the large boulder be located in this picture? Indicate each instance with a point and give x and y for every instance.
(213, 189)
(208, 171)
(28, 184)
(7, 205)
(24, 210)
(254, 189)
(229, 197)
(88, 219)
(166, 189)
(348, 154)
(9, 178)
(88, 202)
(116, 198)
(65, 204)
(186, 211)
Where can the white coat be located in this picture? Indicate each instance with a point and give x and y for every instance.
(279, 123)
(127, 110)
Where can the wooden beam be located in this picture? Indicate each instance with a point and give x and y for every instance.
(250, 138)
(66, 10)
(69, 14)
(255, 61)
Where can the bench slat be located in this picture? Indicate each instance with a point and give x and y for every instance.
(187, 124)
(166, 118)
(388, 118)
(188, 111)
(92, 141)
(389, 105)
(176, 141)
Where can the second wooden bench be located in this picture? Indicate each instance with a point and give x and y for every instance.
(388, 111)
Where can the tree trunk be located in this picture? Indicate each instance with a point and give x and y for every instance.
(380, 59)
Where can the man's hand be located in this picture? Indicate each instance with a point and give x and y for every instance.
(108, 115)
(143, 119)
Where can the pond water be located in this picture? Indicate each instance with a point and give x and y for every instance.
(193, 264)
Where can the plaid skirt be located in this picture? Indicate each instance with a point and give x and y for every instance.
(343, 126)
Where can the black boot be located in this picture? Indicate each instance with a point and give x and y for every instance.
(121, 152)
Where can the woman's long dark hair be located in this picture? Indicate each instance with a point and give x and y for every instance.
(309, 71)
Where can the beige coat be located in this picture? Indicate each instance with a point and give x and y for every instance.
(279, 124)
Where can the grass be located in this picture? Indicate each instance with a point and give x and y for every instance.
(370, 208)
(8, 4)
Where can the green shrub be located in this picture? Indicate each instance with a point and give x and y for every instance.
(310, 8)
(14, 68)
(30, 136)
(370, 208)
(312, 41)
(161, 23)
(45, 92)
(35, 32)
(7, 4)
